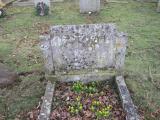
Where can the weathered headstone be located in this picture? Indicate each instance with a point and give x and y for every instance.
(96, 47)
(7, 77)
(84, 48)
(42, 7)
(89, 6)
(158, 6)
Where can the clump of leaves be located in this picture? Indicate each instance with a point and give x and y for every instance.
(100, 110)
(80, 87)
(104, 112)
(76, 107)
(91, 88)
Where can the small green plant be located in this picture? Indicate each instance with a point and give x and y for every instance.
(99, 110)
(91, 88)
(95, 105)
(104, 112)
(76, 107)
(78, 87)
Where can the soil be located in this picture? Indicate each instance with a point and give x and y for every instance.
(65, 97)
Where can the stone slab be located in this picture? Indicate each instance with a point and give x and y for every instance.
(89, 6)
(80, 47)
(83, 77)
(127, 103)
(47, 102)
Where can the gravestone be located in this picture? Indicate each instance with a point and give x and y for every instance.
(85, 48)
(85, 53)
(89, 6)
(158, 6)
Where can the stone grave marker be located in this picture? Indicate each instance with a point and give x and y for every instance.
(87, 6)
(86, 48)
(86, 53)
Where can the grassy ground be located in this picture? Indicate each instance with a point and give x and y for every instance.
(19, 40)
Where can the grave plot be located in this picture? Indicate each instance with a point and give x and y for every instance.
(91, 101)
(85, 54)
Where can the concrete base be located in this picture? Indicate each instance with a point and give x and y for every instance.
(83, 76)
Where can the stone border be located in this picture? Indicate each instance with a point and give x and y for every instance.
(31, 3)
(84, 78)
(47, 102)
(127, 103)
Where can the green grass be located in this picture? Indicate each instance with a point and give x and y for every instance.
(21, 29)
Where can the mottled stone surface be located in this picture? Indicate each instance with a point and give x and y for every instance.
(95, 75)
(128, 106)
(77, 47)
(7, 76)
(89, 6)
(47, 102)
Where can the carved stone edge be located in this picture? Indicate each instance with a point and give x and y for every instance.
(85, 78)
(45, 46)
(121, 45)
(127, 103)
(47, 102)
